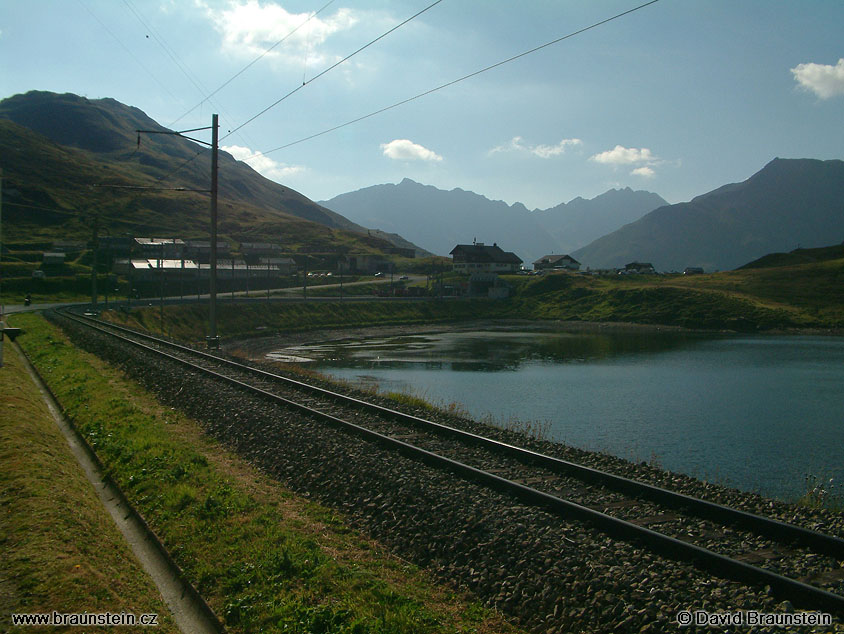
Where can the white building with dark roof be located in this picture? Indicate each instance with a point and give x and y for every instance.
(482, 258)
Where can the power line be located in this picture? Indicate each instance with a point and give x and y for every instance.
(383, 35)
(169, 51)
(332, 67)
(125, 48)
(261, 56)
(175, 59)
(453, 82)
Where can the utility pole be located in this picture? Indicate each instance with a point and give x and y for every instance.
(95, 247)
(2, 323)
(213, 339)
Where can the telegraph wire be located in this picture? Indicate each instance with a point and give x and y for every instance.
(453, 82)
(125, 48)
(245, 68)
(332, 67)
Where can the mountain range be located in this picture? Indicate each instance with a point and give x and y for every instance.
(789, 203)
(66, 157)
(438, 219)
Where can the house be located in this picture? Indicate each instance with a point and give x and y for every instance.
(693, 270)
(480, 258)
(639, 267)
(556, 262)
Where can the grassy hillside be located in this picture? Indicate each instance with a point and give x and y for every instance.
(800, 296)
(53, 192)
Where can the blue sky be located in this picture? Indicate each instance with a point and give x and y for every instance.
(679, 97)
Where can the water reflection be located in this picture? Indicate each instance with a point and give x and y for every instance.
(759, 413)
(488, 351)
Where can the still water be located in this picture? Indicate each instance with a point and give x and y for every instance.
(755, 412)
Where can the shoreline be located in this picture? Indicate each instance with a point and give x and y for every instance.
(251, 345)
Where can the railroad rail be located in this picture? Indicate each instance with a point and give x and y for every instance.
(755, 550)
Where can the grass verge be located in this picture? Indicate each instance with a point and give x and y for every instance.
(263, 559)
(61, 550)
(190, 323)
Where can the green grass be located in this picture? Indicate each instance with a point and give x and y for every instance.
(804, 296)
(263, 559)
(61, 550)
(190, 323)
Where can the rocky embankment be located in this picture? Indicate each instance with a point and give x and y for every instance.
(551, 575)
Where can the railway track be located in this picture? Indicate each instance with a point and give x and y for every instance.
(796, 563)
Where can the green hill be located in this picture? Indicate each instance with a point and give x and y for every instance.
(66, 158)
(798, 256)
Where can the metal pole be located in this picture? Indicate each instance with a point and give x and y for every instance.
(2, 324)
(95, 242)
(213, 341)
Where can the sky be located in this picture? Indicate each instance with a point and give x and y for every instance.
(678, 97)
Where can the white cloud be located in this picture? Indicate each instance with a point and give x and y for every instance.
(404, 150)
(624, 156)
(822, 79)
(516, 144)
(249, 28)
(264, 165)
(645, 172)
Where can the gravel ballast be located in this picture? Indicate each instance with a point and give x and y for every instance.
(551, 575)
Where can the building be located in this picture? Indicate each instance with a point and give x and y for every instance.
(147, 270)
(200, 250)
(481, 258)
(368, 263)
(547, 262)
(639, 267)
(693, 270)
(402, 252)
(53, 258)
(116, 246)
(252, 252)
(169, 248)
(284, 266)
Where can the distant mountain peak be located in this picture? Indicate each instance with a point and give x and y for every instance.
(786, 203)
(437, 219)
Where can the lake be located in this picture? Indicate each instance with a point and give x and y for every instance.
(756, 412)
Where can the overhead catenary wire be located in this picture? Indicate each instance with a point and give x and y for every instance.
(453, 82)
(171, 53)
(332, 67)
(128, 51)
(258, 58)
(165, 47)
(298, 88)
